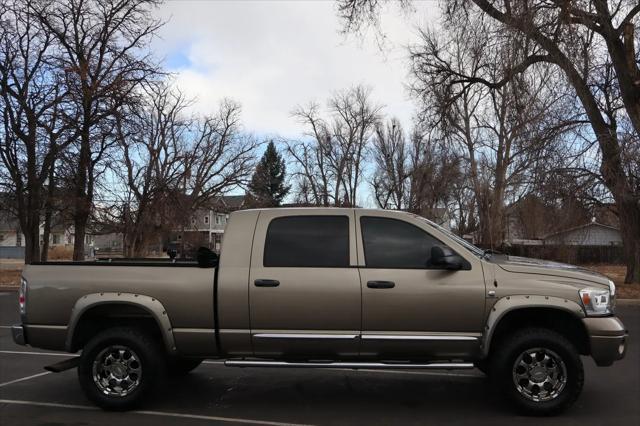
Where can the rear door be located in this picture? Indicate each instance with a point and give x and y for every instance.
(304, 287)
(410, 310)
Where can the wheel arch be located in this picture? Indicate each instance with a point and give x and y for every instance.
(119, 308)
(514, 312)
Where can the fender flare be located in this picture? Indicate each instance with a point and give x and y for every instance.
(148, 303)
(511, 303)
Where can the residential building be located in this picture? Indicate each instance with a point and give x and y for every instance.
(590, 234)
(207, 224)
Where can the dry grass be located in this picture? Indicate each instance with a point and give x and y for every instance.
(61, 253)
(617, 273)
(9, 279)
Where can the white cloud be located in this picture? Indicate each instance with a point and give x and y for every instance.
(272, 55)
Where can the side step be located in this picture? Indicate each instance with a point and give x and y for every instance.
(61, 366)
(353, 365)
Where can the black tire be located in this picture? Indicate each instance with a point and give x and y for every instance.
(540, 343)
(141, 352)
(182, 366)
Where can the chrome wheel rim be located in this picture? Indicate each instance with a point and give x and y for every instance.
(539, 374)
(117, 371)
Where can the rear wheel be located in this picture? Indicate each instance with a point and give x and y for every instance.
(119, 367)
(539, 370)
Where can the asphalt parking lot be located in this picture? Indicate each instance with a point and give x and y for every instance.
(214, 394)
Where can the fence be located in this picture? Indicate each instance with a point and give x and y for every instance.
(569, 254)
(11, 252)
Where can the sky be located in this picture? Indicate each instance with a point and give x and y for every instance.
(271, 56)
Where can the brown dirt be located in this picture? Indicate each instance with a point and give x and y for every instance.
(617, 273)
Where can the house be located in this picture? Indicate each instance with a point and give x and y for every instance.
(10, 233)
(590, 234)
(206, 225)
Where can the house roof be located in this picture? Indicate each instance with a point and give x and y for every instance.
(575, 228)
(231, 202)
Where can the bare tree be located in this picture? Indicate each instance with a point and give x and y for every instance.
(152, 140)
(33, 130)
(578, 39)
(506, 134)
(330, 162)
(390, 154)
(175, 163)
(98, 45)
(220, 156)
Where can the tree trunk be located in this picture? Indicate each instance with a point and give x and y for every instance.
(80, 232)
(48, 213)
(44, 255)
(82, 200)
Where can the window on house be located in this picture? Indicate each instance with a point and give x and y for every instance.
(206, 220)
(56, 239)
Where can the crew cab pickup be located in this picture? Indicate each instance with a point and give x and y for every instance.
(326, 287)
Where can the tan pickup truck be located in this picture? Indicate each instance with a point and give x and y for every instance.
(326, 287)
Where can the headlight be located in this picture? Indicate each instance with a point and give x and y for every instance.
(598, 302)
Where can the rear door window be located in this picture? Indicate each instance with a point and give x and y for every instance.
(307, 241)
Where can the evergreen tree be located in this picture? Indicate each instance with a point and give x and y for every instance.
(267, 188)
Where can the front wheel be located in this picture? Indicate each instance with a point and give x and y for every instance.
(119, 367)
(539, 370)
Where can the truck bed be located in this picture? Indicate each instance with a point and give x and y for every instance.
(184, 290)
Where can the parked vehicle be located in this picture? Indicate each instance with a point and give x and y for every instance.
(326, 287)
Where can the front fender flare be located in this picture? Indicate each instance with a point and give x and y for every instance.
(149, 304)
(510, 303)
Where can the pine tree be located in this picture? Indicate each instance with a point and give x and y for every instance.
(267, 188)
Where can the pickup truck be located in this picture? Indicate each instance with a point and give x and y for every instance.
(326, 288)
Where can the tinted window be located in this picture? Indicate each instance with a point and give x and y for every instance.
(308, 241)
(391, 243)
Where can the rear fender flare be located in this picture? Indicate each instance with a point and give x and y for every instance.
(149, 304)
(511, 303)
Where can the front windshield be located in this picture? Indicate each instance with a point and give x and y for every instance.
(466, 244)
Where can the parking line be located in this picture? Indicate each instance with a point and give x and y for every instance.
(24, 378)
(153, 413)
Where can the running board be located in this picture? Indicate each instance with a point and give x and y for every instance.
(65, 365)
(352, 365)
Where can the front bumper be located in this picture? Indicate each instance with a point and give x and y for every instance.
(607, 338)
(19, 335)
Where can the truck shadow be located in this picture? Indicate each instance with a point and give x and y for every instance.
(330, 396)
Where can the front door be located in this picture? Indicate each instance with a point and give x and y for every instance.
(304, 291)
(409, 310)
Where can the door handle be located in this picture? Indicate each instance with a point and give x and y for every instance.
(381, 284)
(266, 283)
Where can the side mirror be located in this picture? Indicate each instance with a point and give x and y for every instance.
(443, 257)
(207, 258)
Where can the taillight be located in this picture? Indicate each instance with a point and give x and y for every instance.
(22, 296)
